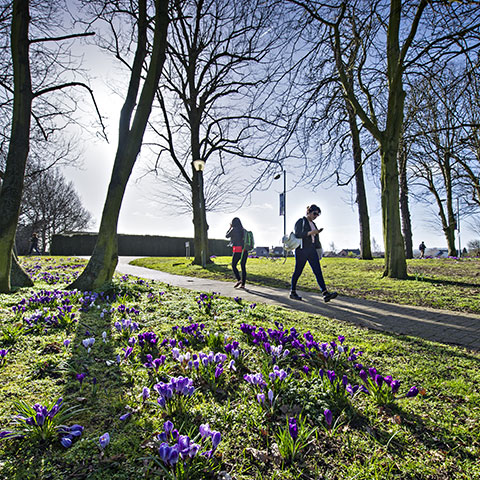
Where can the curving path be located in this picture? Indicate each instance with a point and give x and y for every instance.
(462, 329)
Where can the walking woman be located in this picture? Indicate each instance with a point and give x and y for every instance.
(236, 233)
(306, 229)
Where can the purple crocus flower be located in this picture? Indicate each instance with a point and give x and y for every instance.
(184, 444)
(194, 448)
(205, 430)
(363, 375)
(40, 418)
(328, 416)
(66, 442)
(173, 457)
(164, 452)
(168, 426)
(66, 342)
(395, 386)
(379, 380)
(261, 398)
(104, 440)
(75, 430)
(293, 428)
(80, 377)
(159, 361)
(127, 351)
(145, 393)
(388, 379)
(54, 410)
(125, 416)
(364, 389)
(216, 438)
(88, 342)
(413, 392)
(270, 395)
(351, 389)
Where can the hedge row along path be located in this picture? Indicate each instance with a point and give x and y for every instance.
(462, 329)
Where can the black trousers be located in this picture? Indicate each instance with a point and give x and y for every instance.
(242, 258)
(302, 256)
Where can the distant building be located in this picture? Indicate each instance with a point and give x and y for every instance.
(277, 251)
(261, 251)
(349, 252)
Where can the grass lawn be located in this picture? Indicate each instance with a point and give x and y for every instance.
(282, 392)
(448, 284)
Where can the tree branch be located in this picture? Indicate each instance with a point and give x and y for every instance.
(75, 84)
(65, 37)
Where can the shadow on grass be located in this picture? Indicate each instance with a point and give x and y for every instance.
(451, 283)
(95, 395)
(252, 278)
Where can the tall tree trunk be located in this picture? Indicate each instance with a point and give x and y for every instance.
(11, 192)
(446, 217)
(18, 276)
(395, 263)
(200, 226)
(388, 139)
(102, 263)
(404, 205)
(200, 239)
(363, 218)
(449, 232)
(449, 229)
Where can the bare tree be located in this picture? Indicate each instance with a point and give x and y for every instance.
(133, 121)
(467, 153)
(213, 70)
(50, 205)
(396, 48)
(325, 122)
(436, 137)
(25, 89)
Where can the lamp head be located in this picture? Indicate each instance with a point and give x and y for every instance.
(199, 165)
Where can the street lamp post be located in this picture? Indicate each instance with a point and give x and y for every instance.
(199, 166)
(458, 228)
(283, 205)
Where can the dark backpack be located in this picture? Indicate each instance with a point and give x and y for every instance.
(248, 241)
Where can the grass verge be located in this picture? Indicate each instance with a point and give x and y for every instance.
(47, 332)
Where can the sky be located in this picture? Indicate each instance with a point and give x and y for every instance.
(141, 215)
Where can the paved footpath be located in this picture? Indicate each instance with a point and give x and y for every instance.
(438, 325)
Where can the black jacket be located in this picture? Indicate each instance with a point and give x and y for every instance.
(236, 235)
(302, 227)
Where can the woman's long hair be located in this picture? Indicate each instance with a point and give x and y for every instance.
(236, 223)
